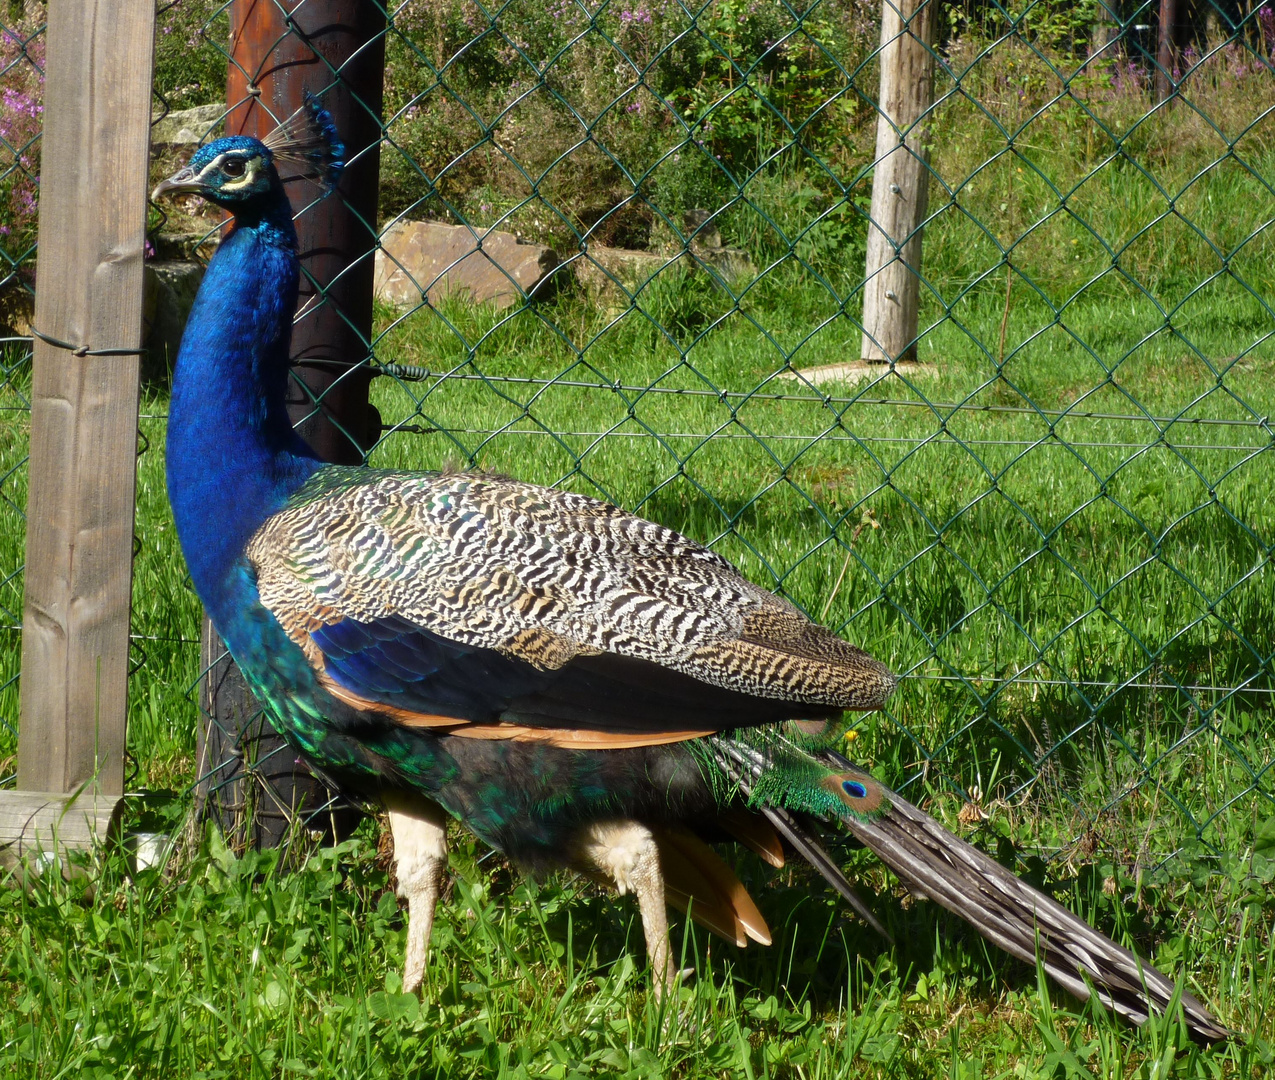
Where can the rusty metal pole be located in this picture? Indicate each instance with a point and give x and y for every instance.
(279, 49)
(335, 49)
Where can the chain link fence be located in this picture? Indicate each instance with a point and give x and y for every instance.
(21, 106)
(1053, 522)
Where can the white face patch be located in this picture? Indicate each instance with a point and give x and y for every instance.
(252, 170)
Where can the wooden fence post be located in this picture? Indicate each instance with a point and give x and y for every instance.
(900, 182)
(279, 49)
(93, 184)
(1164, 82)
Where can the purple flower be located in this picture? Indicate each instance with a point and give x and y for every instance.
(21, 115)
(1266, 19)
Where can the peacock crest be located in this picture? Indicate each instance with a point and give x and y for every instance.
(306, 146)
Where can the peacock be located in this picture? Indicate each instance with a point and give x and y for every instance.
(578, 686)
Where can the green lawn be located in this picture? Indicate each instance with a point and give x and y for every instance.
(1059, 532)
(221, 967)
(1054, 579)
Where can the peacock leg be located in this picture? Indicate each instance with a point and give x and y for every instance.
(419, 828)
(625, 852)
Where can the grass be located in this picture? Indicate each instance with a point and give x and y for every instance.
(1028, 584)
(1059, 532)
(223, 967)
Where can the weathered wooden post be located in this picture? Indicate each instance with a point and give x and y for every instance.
(88, 322)
(900, 182)
(1105, 30)
(279, 50)
(1164, 83)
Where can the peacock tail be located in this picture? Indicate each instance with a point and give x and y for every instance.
(771, 768)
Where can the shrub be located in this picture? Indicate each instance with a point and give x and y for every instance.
(190, 62)
(569, 118)
(21, 121)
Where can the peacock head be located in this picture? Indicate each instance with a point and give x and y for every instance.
(239, 171)
(231, 172)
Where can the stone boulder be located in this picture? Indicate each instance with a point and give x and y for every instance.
(170, 288)
(616, 274)
(727, 265)
(186, 127)
(427, 258)
(189, 245)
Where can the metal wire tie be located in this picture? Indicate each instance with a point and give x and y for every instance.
(84, 350)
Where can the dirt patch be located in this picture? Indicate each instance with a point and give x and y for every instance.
(857, 370)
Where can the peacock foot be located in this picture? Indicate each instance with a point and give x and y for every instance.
(419, 828)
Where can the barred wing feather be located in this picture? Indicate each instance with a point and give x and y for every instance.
(489, 607)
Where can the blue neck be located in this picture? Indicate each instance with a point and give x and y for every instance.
(233, 458)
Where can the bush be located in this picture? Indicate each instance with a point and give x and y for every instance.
(566, 119)
(21, 121)
(190, 67)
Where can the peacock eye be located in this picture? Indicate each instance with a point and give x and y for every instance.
(234, 166)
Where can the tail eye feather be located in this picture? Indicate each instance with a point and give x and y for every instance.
(858, 793)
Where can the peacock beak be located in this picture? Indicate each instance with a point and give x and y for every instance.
(184, 179)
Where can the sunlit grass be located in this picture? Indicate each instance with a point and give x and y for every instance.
(1058, 531)
(224, 967)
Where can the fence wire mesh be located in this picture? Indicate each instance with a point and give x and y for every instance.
(21, 106)
(1054, 524)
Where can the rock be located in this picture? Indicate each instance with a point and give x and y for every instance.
(614, 272)
(17, 308)
(726, 265)
(186, 246)
(700, 228)
(443, 260)
(616, 275)
(169, 293)
(186, 127)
